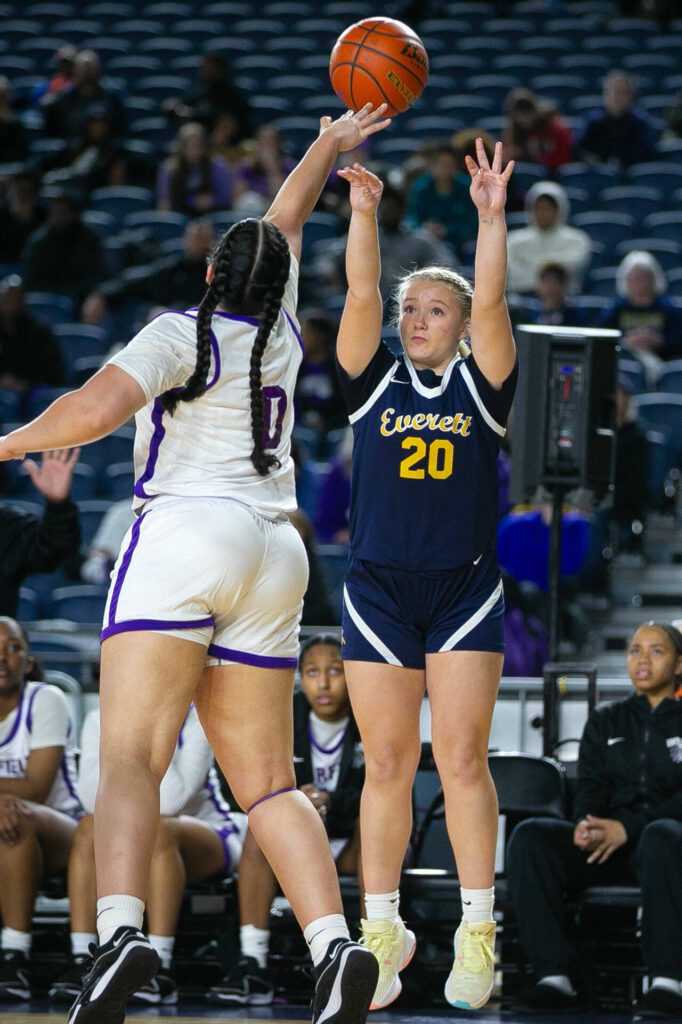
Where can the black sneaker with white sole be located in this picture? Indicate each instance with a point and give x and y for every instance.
(247, 984)
(345, 983)
(67, 986)
(160, 991)
(122, 966)
(15, 978)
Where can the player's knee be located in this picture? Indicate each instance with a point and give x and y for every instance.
(387, 764)
(461, 764)
(261, 786)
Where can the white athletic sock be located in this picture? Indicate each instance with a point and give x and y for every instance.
(118, 911)
(321, 932)
(477, 904)
(163, 944)
(80, 943)
(561, 982)
(671, 984)
(383, 906)
(255, 942)
(12, 939)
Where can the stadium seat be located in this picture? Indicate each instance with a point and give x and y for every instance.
(137, 29)
(119, 480)
(662, 411)
(110, 10)
(667, 224)
(289, 9)
(656, 174)
(614, 46)
(602, 281)
(91, 513)
(10, 402)
(592, 66)
(320, 227)
(609, 228)
(28, 608)
(57, 652)
(78, 30)
(161, 87)
(50, 308)
(162, 224)
(133, 66)
(667, 252)
(549, 45)
(333, 560)
(661, 461)
(310, 482)
(559, 87)
(633, 372)
(637, 200)
(120, 200)
(165, 47)
(465, 107)
(81, 602)
(670, 378)
(109, 47)
(169, 10)
(396, 150)
(651, 67)
(12, 65)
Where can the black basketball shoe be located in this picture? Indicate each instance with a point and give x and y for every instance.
(122, 966)
(345, 983)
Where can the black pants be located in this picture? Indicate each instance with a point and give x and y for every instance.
(543, 864)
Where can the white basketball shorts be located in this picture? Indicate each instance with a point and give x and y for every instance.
(214, 571)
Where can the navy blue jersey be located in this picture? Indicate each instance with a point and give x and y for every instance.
(424, 481)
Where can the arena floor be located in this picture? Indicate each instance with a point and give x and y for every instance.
(296, 1015)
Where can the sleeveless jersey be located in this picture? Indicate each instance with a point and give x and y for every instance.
(424, 478)
(204, 448)
(326, 750)
(42, 711)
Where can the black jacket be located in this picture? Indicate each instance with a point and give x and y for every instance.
(29, 544)
(630, 763)
(344, 809)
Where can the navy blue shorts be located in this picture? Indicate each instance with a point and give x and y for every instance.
(397, 616)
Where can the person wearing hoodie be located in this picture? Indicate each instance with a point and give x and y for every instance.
(618, 133)
(627, 821)
(547, 239)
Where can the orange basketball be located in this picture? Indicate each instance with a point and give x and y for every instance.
(379, 60)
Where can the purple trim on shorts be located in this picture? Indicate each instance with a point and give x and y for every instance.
(326, 750)
(257, 660)
(215, 796)
(67, 780)
(125, 565)
(294, 329)
(29, 710)
(269, 796)
(153, 454)
(224, 834)
(135, 625)
(17, 720)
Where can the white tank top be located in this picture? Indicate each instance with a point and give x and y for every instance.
(204, 448)
(41, 719)
(326, 750)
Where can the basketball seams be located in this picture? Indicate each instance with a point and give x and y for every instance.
(386, 57)
(358, 47)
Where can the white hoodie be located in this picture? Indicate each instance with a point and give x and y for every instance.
(530, 248)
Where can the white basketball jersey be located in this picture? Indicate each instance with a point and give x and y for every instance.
(326, 750)
(26, 728)
(204, 448)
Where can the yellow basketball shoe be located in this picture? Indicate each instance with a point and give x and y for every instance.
(471, 978)
(393, 945)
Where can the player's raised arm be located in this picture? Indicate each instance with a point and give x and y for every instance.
(360, 328)
(492, 342)
(297, 197)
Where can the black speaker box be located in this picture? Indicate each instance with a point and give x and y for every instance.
(563, 415)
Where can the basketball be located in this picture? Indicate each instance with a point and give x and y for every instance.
(379, 60)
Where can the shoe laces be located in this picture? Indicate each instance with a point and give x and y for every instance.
(384, 945)
(475, 954)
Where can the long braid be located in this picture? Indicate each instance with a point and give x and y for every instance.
(272, 304)
(250, 270)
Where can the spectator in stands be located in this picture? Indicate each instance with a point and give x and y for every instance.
(548, 238)
(620, 133)
(630, 493)
(333, 504)
(226, 141)
(29, 544)
(259, 175)
(217, 94)
(198, 838)
(330, 771)
(13, 140)
(177, 281)
(627, 815)
(439, 201)
(192, 181)
(556, 308)
(64, 255)
(317, 400)
(38, 804)
(651, 323)
(106, 543)
(21, 213)
(534, 131)
(401, 246)
(95, 158)
(67, 111)
(63, 62)
(29, 353)
(464, 144)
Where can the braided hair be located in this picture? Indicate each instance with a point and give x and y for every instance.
(250, 270)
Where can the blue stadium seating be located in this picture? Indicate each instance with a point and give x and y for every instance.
(523, 541)
(663, 411)
(91, 513)
(610, 228)
(670, 379)
(120, 200)
(667, 252)
(162, 224)
(50, 308)
(633, 372)
(333, 560)
(82, 603)
(118, 481)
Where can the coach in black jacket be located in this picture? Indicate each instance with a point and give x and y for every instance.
(29, 544)
(627, 824)
(344, 803)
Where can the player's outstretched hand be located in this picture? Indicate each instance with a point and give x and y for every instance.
(353, 128)
(488, 184)
(365, 187)
(52, 478)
